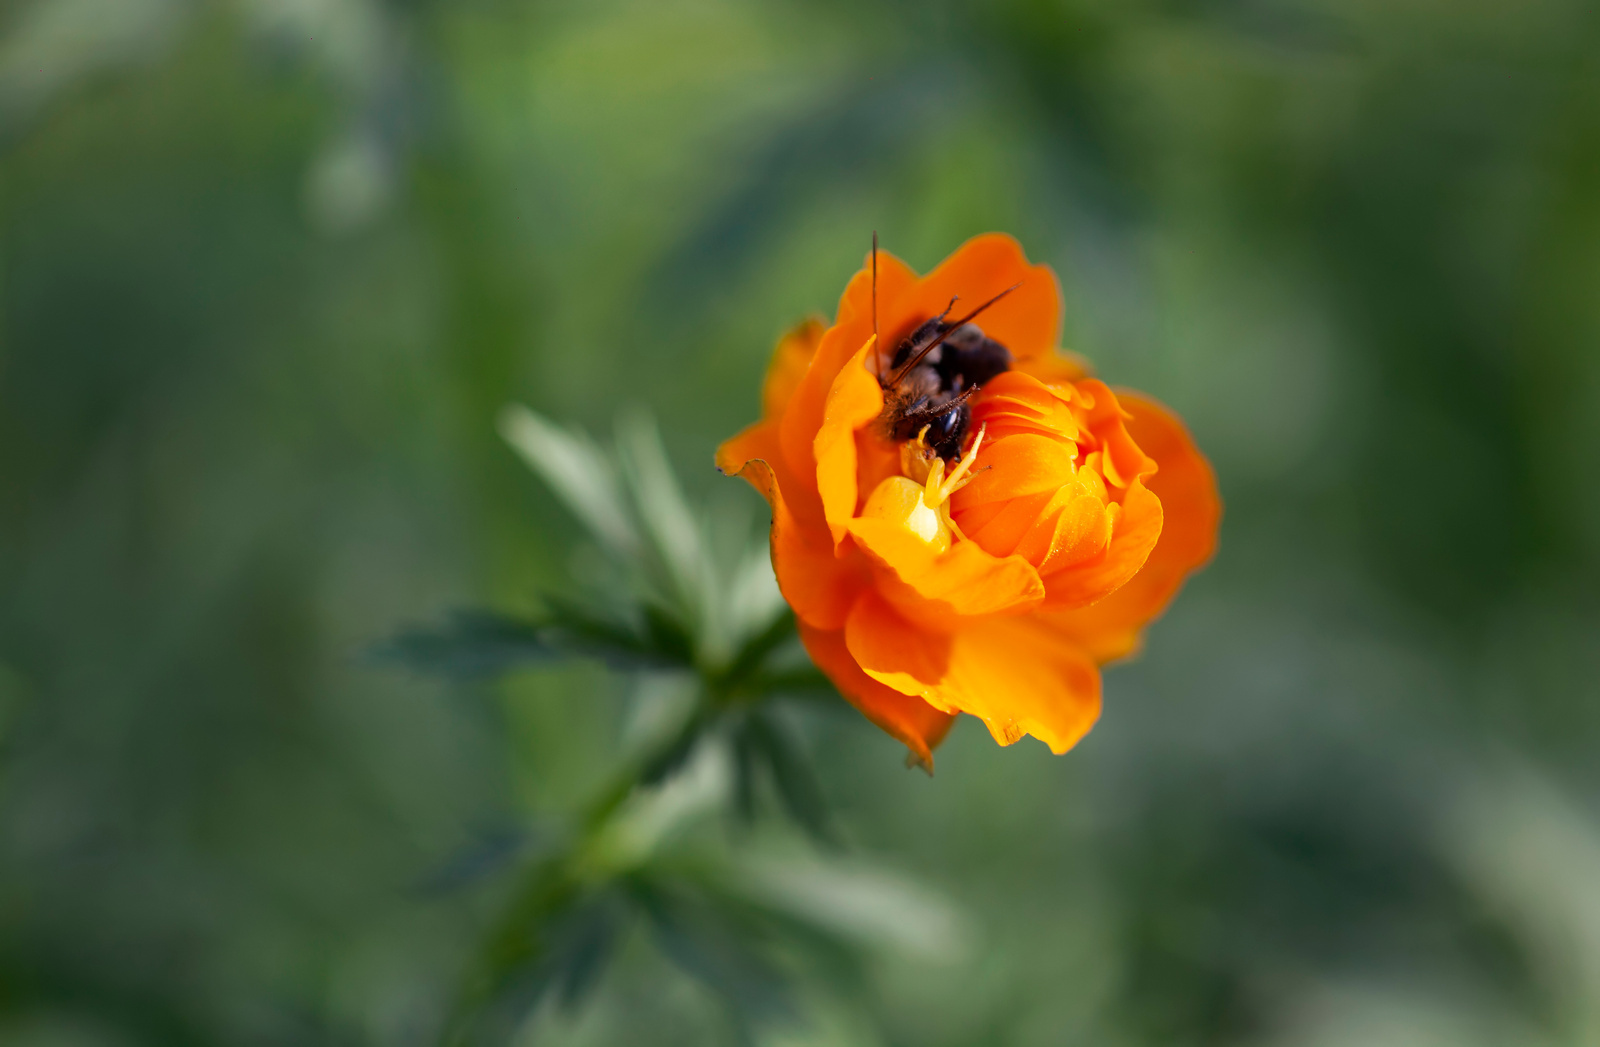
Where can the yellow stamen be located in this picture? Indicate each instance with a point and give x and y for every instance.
(940, 488)
(935, 479)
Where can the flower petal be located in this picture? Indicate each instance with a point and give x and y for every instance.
(839, 343)
(1015, 673)
(1055, 368)
(1015, 466)
(1075, 527)
(751, 442)
(853, 402)
(1138, 522)
(1121, 457)
(1191, 511)
(1027, 321)
(1133, 536)
(817, 583)
(913, 721)
(911, 659)
(790, 361)
(962, 580)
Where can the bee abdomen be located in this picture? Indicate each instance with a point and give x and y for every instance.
(972, 357)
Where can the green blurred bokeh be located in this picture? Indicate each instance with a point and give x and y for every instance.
(270, 268)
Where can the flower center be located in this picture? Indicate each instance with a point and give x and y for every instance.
(920, 500)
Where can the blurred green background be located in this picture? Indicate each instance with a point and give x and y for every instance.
(271, 267)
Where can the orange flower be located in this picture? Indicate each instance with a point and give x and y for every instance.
(962, 519)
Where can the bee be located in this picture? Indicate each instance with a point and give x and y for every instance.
(933, 373)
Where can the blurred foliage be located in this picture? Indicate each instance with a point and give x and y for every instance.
(706, 619)
(271, 270)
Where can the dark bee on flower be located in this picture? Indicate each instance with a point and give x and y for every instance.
(933, 374)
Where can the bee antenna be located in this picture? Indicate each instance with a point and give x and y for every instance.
(877, 347)
(906, 367)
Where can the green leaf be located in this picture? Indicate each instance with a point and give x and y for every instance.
(664, 513)
(579, 473)
(557, 940)
(671, 757)
(751, 592)
(657, 642)
(723, 943)
(750, 657)
(793, 776)
(874, 907)
(470, 644)
(668, 634)
(479, 644)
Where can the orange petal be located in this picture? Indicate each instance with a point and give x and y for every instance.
(839, 343)
(752, 442)
(1000, 526)
(853, 403)
(962, 580)
(895, 652)
(763, 440)
(1015, 402)
(817, 583)
(913, 721)
(1027, 321)
(1133, 537)
(1055, 368)
(1016, 674)
(1138, 522)
(1016, 466)
(1121, 457)
(790, 360)
(1191, 511)
(1074, 528)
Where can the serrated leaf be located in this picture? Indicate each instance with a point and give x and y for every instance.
(579, 473)
(478, 644)
(470, 644)
(622, 645)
